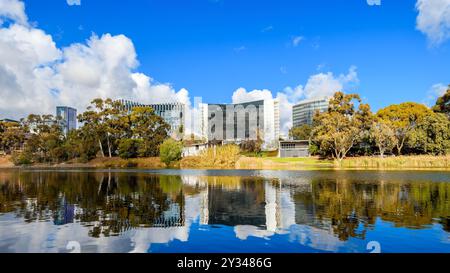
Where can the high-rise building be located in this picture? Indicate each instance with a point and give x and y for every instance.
(68, 118)
(173, 113)
(303, 112)
(234, 123)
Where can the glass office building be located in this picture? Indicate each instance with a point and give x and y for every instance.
(68, 118)
(173, 113)
(234, 123)
(303, 112)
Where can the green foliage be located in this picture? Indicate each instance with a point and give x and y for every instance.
(108, 122)
(443, 104)
(403, 118)
(149, 127)
(129, 148)
(301, 133)
(81, 144)
(251, 146)
(339, 129)
(170, 151)
(12, 136)
(432, 135)
(21, 158)
(384, 136)
(45, 140)
(314, 149)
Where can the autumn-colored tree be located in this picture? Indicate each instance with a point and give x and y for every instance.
(403, 118)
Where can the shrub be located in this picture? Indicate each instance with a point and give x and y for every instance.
(21, 158)
(170, 151)
(251, 146)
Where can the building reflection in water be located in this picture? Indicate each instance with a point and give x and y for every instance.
(132, 211)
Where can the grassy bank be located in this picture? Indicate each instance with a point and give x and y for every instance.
(400, 162)
(106, 162)
(116, 162)
(229, 159)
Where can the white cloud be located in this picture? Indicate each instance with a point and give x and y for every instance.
(434, 19)
(319, 85)
(296, 40)
(13, 10)
(436, 91)
(74, 2)
(36, 76)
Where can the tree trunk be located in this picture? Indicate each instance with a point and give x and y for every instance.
(101, 147)
(109, 145)
(400, 145)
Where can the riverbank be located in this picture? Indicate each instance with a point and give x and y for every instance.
(398, 162)
(258, 163)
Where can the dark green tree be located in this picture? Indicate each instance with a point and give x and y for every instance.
(443, 103)
(302, 132)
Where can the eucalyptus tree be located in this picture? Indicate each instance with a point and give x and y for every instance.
(403, 118)
(384, 136)
(340, 128)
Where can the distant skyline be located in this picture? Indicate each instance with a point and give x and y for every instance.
(66, 52)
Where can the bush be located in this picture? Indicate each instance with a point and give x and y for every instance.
(251, 146)
(21, 158)
(170, 151)
(128, 148)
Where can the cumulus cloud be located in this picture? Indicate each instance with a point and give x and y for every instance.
(74, 2)
(434, 19)
(13, 10)
(36, 75)
(318, 86)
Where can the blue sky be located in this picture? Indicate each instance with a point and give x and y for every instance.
(211, 48)
(66, 52)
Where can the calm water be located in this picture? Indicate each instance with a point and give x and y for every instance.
(224, 211)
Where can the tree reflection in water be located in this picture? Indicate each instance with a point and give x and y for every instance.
(110, 203)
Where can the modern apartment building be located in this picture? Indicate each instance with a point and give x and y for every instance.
(234, 123)
(303, 112)
(173, 113)
(68, 118)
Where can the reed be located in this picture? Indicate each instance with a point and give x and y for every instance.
(217, 157)
(400, 162)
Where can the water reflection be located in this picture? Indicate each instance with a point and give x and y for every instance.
(131, 211)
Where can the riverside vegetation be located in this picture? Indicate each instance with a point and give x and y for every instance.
(348, 135)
